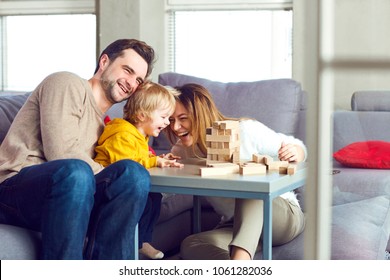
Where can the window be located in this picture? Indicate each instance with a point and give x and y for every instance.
(240, 45)
(35, 46)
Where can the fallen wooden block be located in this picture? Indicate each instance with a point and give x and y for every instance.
(290, 169)
(275, 165)
(223, 169)
(253, 169)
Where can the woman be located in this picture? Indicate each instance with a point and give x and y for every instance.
(238, 238)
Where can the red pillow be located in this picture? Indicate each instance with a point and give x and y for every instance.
(368, 154)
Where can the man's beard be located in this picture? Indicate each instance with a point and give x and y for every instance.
(109, 90)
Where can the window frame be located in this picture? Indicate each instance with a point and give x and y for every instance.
(48, 7)
(34, 8)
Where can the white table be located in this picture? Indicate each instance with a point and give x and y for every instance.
(187, 180)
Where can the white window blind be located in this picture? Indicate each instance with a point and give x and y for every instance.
(231, 45)
(34, 46)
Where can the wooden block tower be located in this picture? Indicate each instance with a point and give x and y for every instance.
(223, 142)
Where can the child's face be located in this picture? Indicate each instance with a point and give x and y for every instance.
(159, 119)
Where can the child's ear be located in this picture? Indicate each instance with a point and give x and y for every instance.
(141, 117)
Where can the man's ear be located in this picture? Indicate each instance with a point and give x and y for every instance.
(104, 62)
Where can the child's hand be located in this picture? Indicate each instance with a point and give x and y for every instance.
(163, 162)
(170, 156)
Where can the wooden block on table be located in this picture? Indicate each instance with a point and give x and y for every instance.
(220, 164)
(219, 170)
(282, 169)
(268, 159)
(275, 165)
(236, 156)
(291, 169)
(258, 158)
(252, 169)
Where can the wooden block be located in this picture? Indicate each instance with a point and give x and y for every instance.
(221, 138)
(223, 170)
(236, 157)
(275, 165)
(221, 151)
(268, 160)
(258, 158)
(220, 164)
(231, 131)
(229, 124)
(216, 125)
(291, 169)
(251, 169)
(226, 158)
(282, 169)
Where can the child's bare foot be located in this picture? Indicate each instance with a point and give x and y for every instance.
(149, 251)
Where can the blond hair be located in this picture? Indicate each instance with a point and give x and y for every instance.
(147, 98)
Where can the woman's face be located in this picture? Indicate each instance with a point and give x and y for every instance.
(181, 125)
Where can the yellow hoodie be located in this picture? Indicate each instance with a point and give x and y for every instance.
(122, 140)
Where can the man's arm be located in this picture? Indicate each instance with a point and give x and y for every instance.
(64, 110)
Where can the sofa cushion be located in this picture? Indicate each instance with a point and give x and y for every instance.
(276, 103)
(366, 182)
(356, 235)
(9, 106)
(280, 104)
(372, 219)
(351, 126)
(365, 154)
(19, 243)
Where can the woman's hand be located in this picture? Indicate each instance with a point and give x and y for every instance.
(291, 153)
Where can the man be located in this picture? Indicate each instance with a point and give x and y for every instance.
(48, 179)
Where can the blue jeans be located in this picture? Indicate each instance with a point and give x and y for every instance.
(80, 215)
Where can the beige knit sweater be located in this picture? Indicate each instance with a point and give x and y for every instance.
(60, 120)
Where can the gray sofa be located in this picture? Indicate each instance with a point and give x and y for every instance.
(361, 209)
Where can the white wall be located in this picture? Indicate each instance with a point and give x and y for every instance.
(361, 34)
(140, 19)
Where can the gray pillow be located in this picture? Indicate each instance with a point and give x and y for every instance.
(9, 107)
(279, 104)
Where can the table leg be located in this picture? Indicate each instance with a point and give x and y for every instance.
(267, 229)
